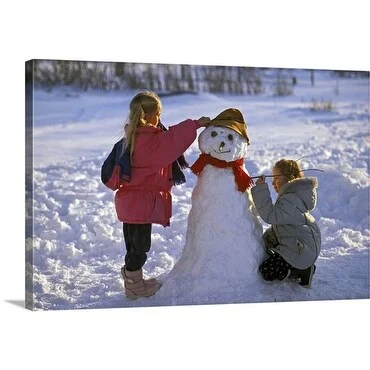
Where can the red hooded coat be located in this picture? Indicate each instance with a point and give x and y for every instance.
(147, 198)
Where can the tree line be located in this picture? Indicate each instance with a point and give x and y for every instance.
(170, 78)
(164, 78)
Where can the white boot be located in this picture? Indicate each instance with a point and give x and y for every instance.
(136, 286)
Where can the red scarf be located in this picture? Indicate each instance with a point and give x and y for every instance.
(242, 179)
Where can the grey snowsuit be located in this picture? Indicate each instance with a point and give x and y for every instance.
(294, 233)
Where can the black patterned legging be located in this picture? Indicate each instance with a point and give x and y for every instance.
(275, 267)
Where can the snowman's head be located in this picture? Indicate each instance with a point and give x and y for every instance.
(222, 143)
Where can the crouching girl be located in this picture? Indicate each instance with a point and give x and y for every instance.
(293, 242)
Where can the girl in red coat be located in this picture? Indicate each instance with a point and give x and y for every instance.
(146, 198)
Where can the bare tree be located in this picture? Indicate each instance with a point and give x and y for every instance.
(312, 76)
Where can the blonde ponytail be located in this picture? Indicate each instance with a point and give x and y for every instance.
(145, 102)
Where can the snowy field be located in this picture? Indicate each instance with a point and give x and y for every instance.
(78, 247)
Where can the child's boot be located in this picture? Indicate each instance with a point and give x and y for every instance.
(305, 275)
(151, 280)
(136, 286)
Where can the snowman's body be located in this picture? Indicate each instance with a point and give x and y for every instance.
(223, 248)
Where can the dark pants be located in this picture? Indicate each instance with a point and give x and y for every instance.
(275, 268)
(137, 240)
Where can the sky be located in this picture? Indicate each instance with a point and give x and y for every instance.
(339, 42)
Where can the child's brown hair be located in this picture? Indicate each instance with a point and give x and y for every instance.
(289, 168)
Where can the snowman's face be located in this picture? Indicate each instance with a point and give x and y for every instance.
(222, 143)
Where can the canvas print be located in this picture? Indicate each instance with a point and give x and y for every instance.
(172, 184)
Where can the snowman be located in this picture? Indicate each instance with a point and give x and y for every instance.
(223, 248)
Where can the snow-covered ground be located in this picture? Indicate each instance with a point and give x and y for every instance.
(78, 247)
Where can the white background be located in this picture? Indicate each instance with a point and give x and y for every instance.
(270, 34)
